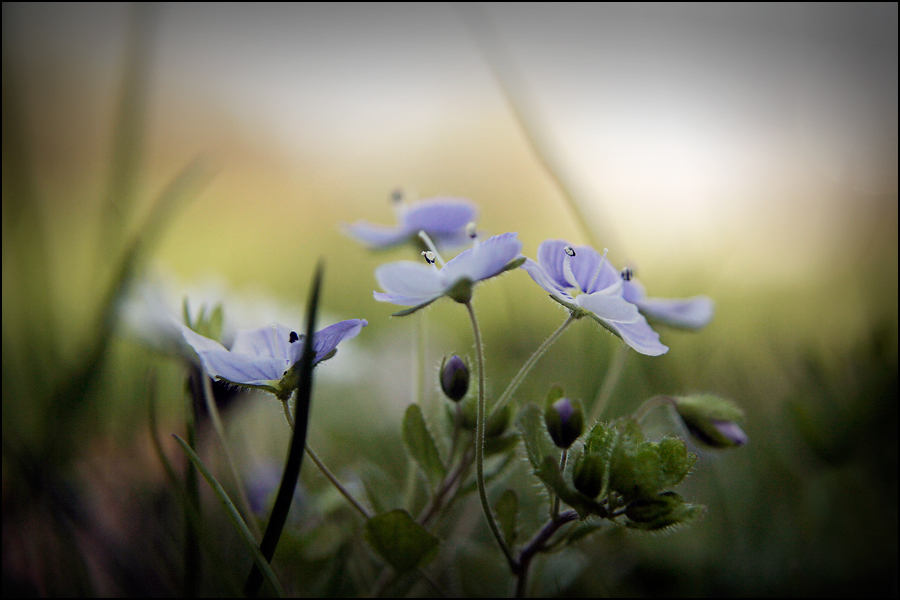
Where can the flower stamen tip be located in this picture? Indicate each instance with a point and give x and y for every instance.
(293, 337)
(569, 250)
(471, 230)
(429, 256)
(627, 274)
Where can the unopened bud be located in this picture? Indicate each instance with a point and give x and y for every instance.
(565, 421)
(712, 420)
(454, 378)
(588, 474)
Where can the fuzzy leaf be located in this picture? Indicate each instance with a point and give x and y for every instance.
(507, 511)
(534, 433)
(400, 541)
(421, 446)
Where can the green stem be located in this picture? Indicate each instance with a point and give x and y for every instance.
(193, 568)
(613, 374)
(288, 485)
(220, 433)
(536, 544)
(326, 471)
(554, 514)
(334, 481)
(479, 445)
(261, 562)
(529, 364)
(656, 401)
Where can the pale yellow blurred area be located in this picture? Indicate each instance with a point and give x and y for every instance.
(716, 149)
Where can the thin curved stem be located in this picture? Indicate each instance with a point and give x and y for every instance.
(334, 481)
(613, 374)
(529, 364)
(326, 471)
(479, 445)
(220, 433)
(656, 401)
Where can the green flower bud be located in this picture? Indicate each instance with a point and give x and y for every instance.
(588, 474)
(565, 421)
(454, 378)
(662, 511)
(712, 420)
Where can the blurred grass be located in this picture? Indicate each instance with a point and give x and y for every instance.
(809, 507)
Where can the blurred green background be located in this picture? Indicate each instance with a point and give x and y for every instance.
(747, 153)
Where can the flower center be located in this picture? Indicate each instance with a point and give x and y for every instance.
(431, 254)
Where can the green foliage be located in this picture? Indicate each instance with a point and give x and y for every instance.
(661, 512)
(400, 541)
(422, 446)
(538, 444)
(507, 509)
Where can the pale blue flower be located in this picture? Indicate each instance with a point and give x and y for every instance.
(416, 284)
(586, 283)
(684, 313)
(263, 358)
(443, 219)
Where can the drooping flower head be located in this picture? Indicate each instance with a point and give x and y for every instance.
(264, 358)
(583, 281)
(418, 284)
(444, 219)
(684, 313)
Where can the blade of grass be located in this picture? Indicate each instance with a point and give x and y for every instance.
(246, 537)
(298, 442)
(526, 114)
(71, 389)
(128, 132)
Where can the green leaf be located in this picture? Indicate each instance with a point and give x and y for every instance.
(507, 511)
(421, 446)
(498, 445)
(550, 474)
(239, 524)
(662, 512)
(555, 393)
(537, 442)
(400, 541)
(513, 264)
(676, 461)
(411, 310)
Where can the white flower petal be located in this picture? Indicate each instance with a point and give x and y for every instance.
(609, 307)
(408, 283)
(687, 313)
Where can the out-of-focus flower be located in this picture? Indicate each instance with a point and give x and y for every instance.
(583, 281)
(443, 219)
(683, 313)
(712, 420)
(264, 358)
(417, 285)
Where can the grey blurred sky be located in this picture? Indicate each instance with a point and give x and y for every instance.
(688, 120)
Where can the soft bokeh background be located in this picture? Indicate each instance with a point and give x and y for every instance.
(744, 152)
